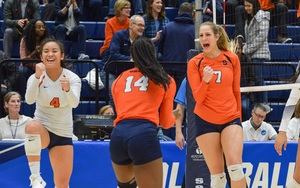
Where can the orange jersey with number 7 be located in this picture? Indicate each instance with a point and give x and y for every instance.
(219, 101)
(137, 97)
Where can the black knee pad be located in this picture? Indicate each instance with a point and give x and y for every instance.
(130, 184)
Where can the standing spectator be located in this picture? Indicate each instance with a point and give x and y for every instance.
(143, 99)
(256, 129)
(116, 23)
(214, 77)
(208, 15)
(67, 24)
(137, 7)
(293, 128)
(34, 33)
(155, 19)
(183, 26)
(16, 15)
(256, 46)
(278, 12)
(13, 125)
(8, 77)
(56, 92)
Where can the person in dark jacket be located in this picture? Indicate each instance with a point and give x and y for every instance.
(177, 39)
(16, 15)
(67, 26)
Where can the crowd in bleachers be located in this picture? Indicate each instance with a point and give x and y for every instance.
(98, 33)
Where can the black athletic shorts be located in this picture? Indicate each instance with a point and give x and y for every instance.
(134, 141)
(56, 140)
(203, 127)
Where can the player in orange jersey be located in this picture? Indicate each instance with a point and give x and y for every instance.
(143, 98)
(214, 77)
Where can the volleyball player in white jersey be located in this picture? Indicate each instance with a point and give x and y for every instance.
(56, 91)
(281, 140)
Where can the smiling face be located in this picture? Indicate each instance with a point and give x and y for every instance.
(13, 104)
(208, 39)
(137, 27)
(249, 8)
(40, 28)
(157, 6)
(125, 11)
(52, 55)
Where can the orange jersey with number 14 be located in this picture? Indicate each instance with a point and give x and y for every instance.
(137, 97)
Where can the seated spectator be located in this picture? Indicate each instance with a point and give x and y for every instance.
(13, 125)
(208, 15)
(293, 128)
(34, 33)
(16, 15)
(93, 7)
(256, 129)
(174, 48)
(120, 44)
(116, 23)
(155, 19)
(137, 8)
(119, 48)
(8, 77)
(49, 11)
(67, 26)
(256, 46)
(106, 110)
(278, 12)
(247, 77)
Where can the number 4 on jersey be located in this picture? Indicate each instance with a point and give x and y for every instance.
(142, 83)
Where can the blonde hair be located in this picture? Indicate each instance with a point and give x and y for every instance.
(223, 42)
(297, 110)
(102, 110)
(119, 5)
(7, 97)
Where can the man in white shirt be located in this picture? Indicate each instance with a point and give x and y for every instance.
(256, 129)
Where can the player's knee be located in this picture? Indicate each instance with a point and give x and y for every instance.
(33, 144)
(292, 184)
(236, 172)
(218, 180)
(130, 184)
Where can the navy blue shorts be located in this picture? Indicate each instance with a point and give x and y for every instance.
(56, 140)
(134, 141)
(203, 127)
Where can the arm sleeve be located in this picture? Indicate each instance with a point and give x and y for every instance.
(23, 54)
(286, 116)
(73, 94)
(166, 118)
(108, 36)
(32, 90)
(291, 132)
(236, 84)
(198, 87)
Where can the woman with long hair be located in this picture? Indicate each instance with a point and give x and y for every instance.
(143, 98)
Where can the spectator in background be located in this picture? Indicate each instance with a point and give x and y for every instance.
(13, 125)
(230, 10)
(106, 110)
(49, 11)
(8, 77)
(93, 7)
(16, 15)
(155, 20)
(293, 128)
(247, 77)
(256, 129)
(119, 48)
(208, 15)
(173, 48)
(298, 15)
(114, 24)
(67, 26)
(137, 8)
(278, 12)
(34, 33)
(256, 46)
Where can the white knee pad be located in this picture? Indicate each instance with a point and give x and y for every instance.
(33, 145)
(218, 180)
(236, 172)
(293, 184)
